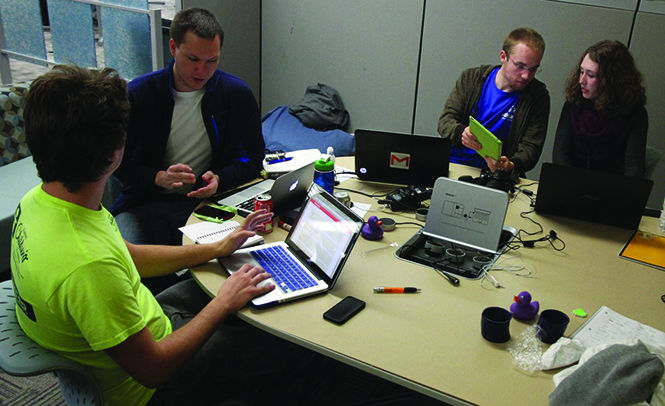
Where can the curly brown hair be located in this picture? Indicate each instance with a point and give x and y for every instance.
(620, 87)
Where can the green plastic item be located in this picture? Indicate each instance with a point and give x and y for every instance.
(214, 219)
(323, 165)
(579, 313)
(491, 145)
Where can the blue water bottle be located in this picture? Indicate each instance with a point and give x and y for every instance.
(324, 171)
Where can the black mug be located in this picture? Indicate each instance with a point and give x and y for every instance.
(495, 324)
(551, 325)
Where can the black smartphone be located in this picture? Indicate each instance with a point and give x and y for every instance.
(344, 310)
(213, 212)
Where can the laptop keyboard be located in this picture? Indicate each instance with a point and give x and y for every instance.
(247, 204)
(245, 208)
(288, 275)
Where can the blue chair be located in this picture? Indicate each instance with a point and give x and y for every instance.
(20, 356)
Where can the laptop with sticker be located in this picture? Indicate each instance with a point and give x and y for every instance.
(400, 158)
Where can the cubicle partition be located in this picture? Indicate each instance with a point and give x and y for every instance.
(395, 62)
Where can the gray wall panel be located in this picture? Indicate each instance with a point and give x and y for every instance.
(450, 46)
(648, 49)
(366, 50)
(241, 52)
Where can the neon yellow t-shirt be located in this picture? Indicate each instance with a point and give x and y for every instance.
(79, 292)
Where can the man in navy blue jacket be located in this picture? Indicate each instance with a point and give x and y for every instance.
(194, 131)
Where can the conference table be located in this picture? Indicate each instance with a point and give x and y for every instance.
(430, 342)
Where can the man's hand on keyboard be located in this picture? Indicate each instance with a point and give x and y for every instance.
(237, 238)
(241, 287)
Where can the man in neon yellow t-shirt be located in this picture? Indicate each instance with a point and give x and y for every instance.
(77, 281)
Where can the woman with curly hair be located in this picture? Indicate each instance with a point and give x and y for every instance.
(603, 123)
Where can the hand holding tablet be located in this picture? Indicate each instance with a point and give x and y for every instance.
(491, 146)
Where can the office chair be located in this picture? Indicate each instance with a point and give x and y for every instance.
(20, 356)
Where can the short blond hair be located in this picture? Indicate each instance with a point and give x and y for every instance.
(527, 36)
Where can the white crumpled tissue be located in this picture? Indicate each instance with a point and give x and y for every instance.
(562, 353)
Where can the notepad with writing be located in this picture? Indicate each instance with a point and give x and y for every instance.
(607, 326)
(206, 232)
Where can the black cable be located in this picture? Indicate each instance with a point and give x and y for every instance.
(524, 216)
(527, 185)
(411, 223)
(551, 238)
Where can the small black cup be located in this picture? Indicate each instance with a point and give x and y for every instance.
(495, 324)
(551, 325)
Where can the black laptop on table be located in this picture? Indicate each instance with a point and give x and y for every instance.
(595, 196)
(311, 259)
(401, 158)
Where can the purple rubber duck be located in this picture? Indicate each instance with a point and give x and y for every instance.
(524, 308)
(372, 229)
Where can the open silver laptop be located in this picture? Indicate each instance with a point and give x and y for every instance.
(287, 192)
(315, 251)
(464, 231)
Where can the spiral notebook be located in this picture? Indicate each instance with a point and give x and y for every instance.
(206, 232)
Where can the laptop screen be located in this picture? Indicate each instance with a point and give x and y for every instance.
(467, 214)
(400, 158)
(592, 195)
(324, 233)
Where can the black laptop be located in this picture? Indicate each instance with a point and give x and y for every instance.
(598, 197)
(401, 158)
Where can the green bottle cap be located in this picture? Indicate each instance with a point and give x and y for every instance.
(323, 165)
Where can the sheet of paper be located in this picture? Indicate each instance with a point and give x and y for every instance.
(606, 326)
(361, 208)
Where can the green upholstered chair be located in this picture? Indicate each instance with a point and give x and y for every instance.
(13, 145)
(20, 356)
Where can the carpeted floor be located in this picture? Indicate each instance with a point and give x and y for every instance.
(34, 390)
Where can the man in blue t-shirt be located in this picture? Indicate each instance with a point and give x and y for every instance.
(507, 100)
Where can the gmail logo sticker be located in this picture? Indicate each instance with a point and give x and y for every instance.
(400, 160)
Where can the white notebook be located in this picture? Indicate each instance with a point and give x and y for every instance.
(206, 232)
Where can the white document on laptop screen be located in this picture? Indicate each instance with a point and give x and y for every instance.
(323, 233)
